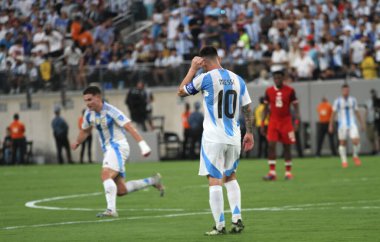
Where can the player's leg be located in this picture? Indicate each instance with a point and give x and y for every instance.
(342, 136)
(232, 187)
(272, 137)
(108, 175)
(136, 185)
(212, 166)
(354, 135)
(288, 161)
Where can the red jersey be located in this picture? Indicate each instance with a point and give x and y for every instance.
(279, 101)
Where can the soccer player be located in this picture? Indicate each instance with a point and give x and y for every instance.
(346, 107)
(224, 93)
(111, 125)
(278, 101)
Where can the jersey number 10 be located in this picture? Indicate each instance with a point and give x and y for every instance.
(228, 96)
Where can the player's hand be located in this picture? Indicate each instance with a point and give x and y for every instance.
(248, 142)
(145, 149)
(197, 63)
(75, 145)
(331, 128)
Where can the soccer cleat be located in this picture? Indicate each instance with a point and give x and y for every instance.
(107, 213)
(289, 176)
(344, 164)
(269, 177)
(214, 231)
(357, 161)
(158, 184)
(237, 227)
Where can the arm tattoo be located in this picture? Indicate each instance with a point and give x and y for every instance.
(248, 118)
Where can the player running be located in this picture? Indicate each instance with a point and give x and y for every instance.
(224, 94)
(111, 125)
(346, 107)
(278, 101)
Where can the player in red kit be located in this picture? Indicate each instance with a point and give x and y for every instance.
(278, 101)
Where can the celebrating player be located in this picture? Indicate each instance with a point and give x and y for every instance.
(346, 107)
(111, 124)
(278, 101)
(224, 93)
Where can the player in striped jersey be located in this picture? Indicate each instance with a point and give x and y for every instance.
(112, 125)
(224, 94)
(346, 107)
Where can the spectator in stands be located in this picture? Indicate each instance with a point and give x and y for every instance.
(304, 67)
(160, 71)
(324, 110)
(60, 132)
(357, 52)
(33, 77)
(54, 40)
(17, 129)
(105, 33)
(196, 127)
(87, 142)
(368, 66)
(19, 71)
(175, 66)
(73, 56)
(279, 58)
(136, 102)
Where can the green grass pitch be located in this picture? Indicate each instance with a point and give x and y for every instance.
(323, 203)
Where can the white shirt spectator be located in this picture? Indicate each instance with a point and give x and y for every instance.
(358, 50)
(304, 66)
(115, 65)
(377, 50)
(39, 42)
(337, 55)
(16, 50)
(279, 56)
(72, 55)
(161, 62)
(175, 60)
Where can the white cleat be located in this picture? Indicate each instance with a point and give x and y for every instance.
(158, 184)
(107, 213)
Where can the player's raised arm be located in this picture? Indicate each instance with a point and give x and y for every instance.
(248, 141)
(359, 117)
(82, 136)
(264, 116)
(331, 123)
(144, 147)
(196, 63)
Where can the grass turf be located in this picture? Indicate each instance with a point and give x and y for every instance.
(323, 203)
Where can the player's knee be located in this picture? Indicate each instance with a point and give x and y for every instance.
(121, 192)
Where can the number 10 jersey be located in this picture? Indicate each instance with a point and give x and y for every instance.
(224, 93)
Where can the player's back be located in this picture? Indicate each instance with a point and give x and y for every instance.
(224, 94)
(345, 109)
(280, 100)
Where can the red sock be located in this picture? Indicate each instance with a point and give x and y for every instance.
(288, 165)
(272, 167)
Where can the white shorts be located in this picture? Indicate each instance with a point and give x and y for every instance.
(115, 157)
(352, 131)
(218, 159)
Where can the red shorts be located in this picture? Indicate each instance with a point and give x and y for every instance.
(281, 131)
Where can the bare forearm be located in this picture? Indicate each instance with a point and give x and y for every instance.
(135, 134)
(82, 136)
(248, 118)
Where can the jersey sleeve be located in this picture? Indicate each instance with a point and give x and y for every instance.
(194, 86)
(119, 117)
(246, 99)
(355, 104)
(336, 105)
(86, 120)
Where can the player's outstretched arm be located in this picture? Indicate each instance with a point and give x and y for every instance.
(196, 63)
(297, 115)
(264, 117)
(144, 147)
(248, 141)
(82, 136)
(359, 117)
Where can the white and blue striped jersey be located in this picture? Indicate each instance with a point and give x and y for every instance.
(109, 122)
(345, 109)
(224, 93)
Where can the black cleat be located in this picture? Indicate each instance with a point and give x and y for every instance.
(237, 227)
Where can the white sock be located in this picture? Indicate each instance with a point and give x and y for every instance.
(110, 190)
(356, 150)
(136, 185)
(342, 153)
(234, 198)
(217, 205)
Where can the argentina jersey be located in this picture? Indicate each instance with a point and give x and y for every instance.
(345, 109)
(109, 123)
(224, 93)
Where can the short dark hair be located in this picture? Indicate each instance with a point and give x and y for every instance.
(94, 90)
(345, 85)
(208, 51)
(16, 117)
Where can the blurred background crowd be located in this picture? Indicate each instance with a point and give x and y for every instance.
(49, 45)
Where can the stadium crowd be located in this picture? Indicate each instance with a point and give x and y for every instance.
(311, 39)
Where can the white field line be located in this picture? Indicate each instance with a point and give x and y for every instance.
(33, 204)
